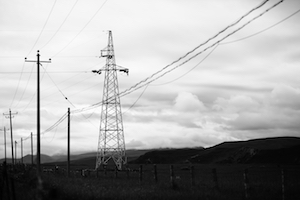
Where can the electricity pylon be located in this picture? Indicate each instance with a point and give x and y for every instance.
(111, 143)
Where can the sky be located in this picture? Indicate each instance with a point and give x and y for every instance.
(245, 87)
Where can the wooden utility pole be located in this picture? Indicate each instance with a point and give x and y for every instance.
(38, 156)
(16, 151)
(9, 115)
(31, 149)
(68, 167)
(22, 150)
(4, 130)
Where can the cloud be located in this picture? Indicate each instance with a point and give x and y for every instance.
(237, 103)
(234, 94)
(279, 111)
(286, 97)
(188, 102)
(132, 144)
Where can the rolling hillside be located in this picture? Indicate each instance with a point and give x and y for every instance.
(78, 159)
(281, 150)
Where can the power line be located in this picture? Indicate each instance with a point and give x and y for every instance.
(148, 81)
(61, 24)
(43, 27)
(17, 85)
(188, 70)
(136, 99)
(263, 30)
(51, 72)
(34, 93)
(34, 46)
(62, 82)
(81, 29)
(136, 86)
(202, 44)
(68, 87)
(59, 121)
(58, 87)
(25, 87)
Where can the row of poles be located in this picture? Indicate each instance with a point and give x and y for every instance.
(14, 157)
(38, 154)
(14, 147)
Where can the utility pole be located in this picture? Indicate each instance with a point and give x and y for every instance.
(5, 157)
(16, 151)
(5, 144)
(38, 156)
(9, 115)
(31, 149)
(111, 143)
(68, 165)
(22, 150)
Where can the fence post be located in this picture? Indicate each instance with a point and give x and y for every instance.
(192, 175)
(116, 172)
(155, 173)
(127, 172)
(141, 173)
(172, 176)
(104, 170)
(215, 179)
(282, 184)
(246, 183)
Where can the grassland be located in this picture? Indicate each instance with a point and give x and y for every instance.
(265, 182)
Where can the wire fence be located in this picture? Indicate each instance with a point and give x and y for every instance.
(230, 181)
(238, 181)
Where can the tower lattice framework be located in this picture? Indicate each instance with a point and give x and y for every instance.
(111, 144)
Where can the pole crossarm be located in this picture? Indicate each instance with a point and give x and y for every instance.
(121, 69)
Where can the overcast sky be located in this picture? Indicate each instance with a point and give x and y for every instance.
(246, 87)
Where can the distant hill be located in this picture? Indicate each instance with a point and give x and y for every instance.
(167, 156)
(79, 159)
(280, 150)
(27, 159)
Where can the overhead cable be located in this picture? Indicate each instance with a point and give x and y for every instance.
(139, 85)
(60, 25)
(188, 70)
(81, 29)
(148, 81)
(263, 30)
(25, 86)
(17, 86)
(56, 123)
(43, 28)
(202, 44)
(58, 88)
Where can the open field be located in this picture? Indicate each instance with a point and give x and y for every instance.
(263, 182)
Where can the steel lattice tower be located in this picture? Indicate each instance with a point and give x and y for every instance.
(111, 144)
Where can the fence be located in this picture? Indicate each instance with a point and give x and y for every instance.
(239, 181)
(250, 182)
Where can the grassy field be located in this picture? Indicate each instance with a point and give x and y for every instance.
(265, 182)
